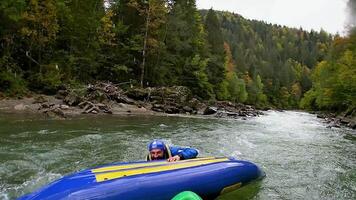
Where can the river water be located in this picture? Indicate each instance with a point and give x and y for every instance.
(301, 157)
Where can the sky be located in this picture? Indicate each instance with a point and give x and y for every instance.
(330, 15)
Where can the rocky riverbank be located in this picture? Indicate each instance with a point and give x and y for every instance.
(107, 98)
(346, 119)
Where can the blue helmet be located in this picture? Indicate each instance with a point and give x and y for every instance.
(157, 144)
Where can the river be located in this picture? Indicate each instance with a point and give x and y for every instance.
(301, 157)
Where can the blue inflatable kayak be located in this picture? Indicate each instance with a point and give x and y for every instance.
(158, 180)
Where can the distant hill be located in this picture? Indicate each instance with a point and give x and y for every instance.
(282, 56)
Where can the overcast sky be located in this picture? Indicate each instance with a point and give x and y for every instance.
(308, 14)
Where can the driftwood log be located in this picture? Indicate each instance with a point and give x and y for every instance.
(95, 108)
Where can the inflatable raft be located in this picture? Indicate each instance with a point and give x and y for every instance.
(157, 180)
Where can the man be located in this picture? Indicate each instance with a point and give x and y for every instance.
(158, 150)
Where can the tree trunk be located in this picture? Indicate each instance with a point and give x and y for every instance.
(145, 46)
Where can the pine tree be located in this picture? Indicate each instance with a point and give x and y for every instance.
(215, 69)
(186, 48)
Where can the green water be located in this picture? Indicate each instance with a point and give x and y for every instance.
(301, 157)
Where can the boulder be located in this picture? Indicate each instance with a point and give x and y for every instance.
(352, 125)
(344, 121)
(157, 107)
(242, 114)
(20, 107)
(320, 116)
(210, 110)
(64, 107)
(171, 110)
(188, 109)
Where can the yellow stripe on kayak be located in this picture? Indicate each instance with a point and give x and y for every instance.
(137, 165)
(178, 165)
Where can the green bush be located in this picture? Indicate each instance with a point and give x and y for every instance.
(12, 85)
(47, 82)
(309, 100)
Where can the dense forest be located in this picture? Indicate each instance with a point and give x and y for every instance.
(274, 62)
(334, 79)
(46, 44)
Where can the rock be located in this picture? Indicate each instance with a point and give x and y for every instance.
(64, 107)
(44, 106)
(231, 114)
(170, 103)
(121, 105)
(157, 107)
(243, 114)
(220, 114)
(320, 116)
(20, 107)
(352, 125)
(266, 108)
(171, 110)
(344, 121)
(188, 109)
(59, 112)
(335, 126)
(210, 110)
(201, 110)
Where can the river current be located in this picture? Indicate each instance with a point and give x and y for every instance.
(302, 158)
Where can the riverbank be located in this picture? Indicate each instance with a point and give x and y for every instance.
(107, 98)
(57, 108)
(345, 119)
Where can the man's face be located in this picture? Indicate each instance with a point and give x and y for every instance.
(157, 154)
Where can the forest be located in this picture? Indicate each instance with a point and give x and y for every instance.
(47, 44)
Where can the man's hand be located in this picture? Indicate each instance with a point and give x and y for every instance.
(173, 159)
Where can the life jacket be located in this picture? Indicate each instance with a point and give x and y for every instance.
(167, 154)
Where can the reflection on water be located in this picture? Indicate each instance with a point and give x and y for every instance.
(301, 157)
(247, 192)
